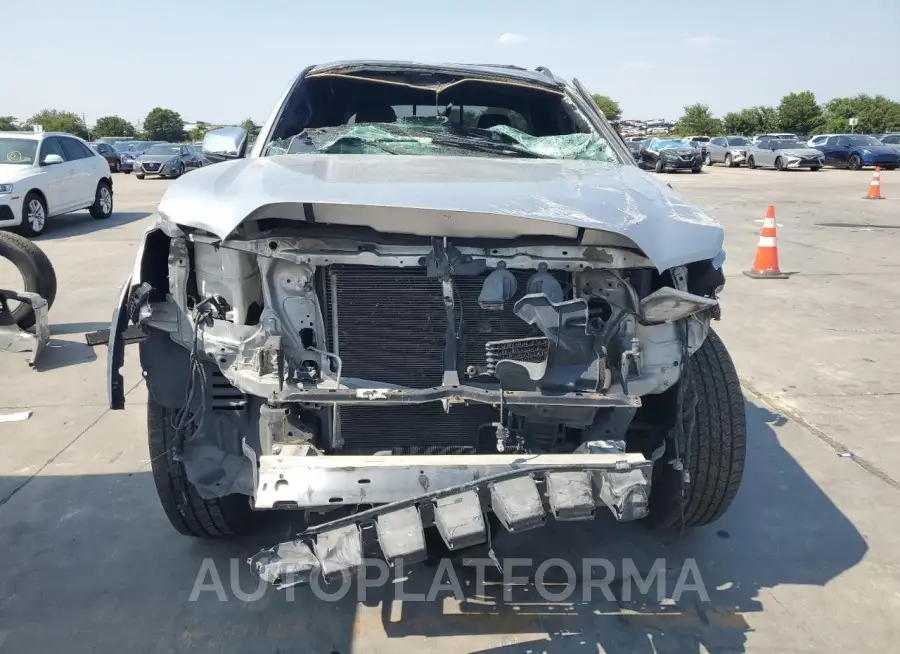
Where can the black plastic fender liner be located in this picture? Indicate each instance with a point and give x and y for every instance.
(115, 356)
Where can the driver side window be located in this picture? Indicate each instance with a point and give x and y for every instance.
(843, 141)
(51, 146)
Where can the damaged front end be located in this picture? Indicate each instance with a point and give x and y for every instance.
(428, 378)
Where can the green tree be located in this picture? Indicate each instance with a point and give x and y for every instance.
(53, 120)
(740, 122)
(697, 119)
(113, 126)
(874, 113)
(196, 134)
(8, 124)
(766, 118)
(164, 125)
(608, 106)
(799, 113)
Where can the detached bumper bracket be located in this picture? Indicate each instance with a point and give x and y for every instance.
(13, 339)
(572, 489)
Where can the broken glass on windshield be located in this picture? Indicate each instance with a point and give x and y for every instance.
(436, 135)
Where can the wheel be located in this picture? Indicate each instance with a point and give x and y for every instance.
(103, 201)
(751, 162)
(729, 162)
(179, 172)
(190, 514)
(696, 170)
(779, 164)
(127, 172)
(36, 270)
(854, 162)
(815, 168)
(34, 214)
(707, 161)
(658, 167)
(139, 176)
(717, 440)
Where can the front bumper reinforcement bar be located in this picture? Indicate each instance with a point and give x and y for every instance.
(448, 492)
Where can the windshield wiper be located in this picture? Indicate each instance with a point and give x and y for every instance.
(486, 145)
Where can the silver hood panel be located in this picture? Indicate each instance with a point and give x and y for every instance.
(620, 199)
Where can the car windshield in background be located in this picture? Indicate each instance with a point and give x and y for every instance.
(18, 151)
(438, 136)
(789, 144)
(863, 140)
(163, 149)
(738, 141)
(123, 146)
(671, 143)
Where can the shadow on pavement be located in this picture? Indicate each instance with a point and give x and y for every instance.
(81, 222)
(121, 579)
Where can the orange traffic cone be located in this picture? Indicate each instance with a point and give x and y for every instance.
(875, 186)
(766, 264)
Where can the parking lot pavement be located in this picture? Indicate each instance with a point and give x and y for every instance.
(805, 560)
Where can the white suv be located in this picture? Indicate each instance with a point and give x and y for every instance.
(44, 174)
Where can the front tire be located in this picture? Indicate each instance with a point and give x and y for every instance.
(34, 215)
(854, 163)
(729, 162)
(815, 168)
(103, 201)
(708, 161)
(779, 164)
(717, 445)
(751, 162)
(190, 514)
(36, 270)
(658, 167)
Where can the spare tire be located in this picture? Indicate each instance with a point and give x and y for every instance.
(36, 270)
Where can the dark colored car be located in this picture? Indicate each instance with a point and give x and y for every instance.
(635, 148)
(855, 151)
(664, 155)
(128, 152)
(166, 160)
(109, 153)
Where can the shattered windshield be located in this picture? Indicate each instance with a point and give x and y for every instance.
(437, 135)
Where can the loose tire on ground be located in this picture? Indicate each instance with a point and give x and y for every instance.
(718, 444)
(190, 514)
(36, 270)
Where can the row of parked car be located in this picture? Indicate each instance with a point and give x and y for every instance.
(782, 151)
(144, 158)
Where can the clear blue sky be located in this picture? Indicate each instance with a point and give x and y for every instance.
(225, 60)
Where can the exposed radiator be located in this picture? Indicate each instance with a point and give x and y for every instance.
(391, 328)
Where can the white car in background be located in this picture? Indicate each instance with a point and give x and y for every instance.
(818, 140)
(46, 174)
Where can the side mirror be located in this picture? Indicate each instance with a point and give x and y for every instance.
(225, 143)
(51, 159)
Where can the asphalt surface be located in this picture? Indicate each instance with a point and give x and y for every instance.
(806, 560)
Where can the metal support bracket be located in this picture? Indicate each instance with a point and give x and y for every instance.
(14, 339)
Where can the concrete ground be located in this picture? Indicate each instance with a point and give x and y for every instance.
(805, 561)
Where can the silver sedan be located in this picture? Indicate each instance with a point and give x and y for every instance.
(729, 150)
(783, 154)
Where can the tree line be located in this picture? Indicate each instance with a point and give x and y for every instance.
(798, 113)
(160, 124)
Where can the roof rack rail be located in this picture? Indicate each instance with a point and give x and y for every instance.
(546, 71)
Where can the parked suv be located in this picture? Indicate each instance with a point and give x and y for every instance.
(729, 150)
(45, 174)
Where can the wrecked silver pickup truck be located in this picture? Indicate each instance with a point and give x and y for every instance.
(429, 292)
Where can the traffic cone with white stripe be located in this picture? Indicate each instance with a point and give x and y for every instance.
(766, 264)
(875, 186)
